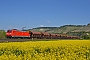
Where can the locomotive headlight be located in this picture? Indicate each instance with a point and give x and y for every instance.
(8, 34)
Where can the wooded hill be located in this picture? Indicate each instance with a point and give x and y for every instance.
(64, 29)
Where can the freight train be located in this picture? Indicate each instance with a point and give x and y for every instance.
(14, 33)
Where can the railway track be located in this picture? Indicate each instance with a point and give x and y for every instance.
(14, 40)
(23, 40)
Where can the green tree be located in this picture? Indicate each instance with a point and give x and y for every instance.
(86, 36)
(2, 34)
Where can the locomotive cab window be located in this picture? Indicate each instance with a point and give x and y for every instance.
(9, 31)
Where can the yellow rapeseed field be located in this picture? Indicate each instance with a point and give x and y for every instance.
(46, 50)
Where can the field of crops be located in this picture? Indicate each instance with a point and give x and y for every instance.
(46, 50)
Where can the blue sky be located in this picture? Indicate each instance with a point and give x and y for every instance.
(36, 13)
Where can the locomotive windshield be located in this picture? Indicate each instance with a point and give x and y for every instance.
(9, 31)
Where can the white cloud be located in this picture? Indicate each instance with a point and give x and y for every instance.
(41, 25)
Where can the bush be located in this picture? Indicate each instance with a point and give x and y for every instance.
(2, 34)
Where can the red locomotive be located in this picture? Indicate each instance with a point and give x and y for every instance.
(14, 33)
